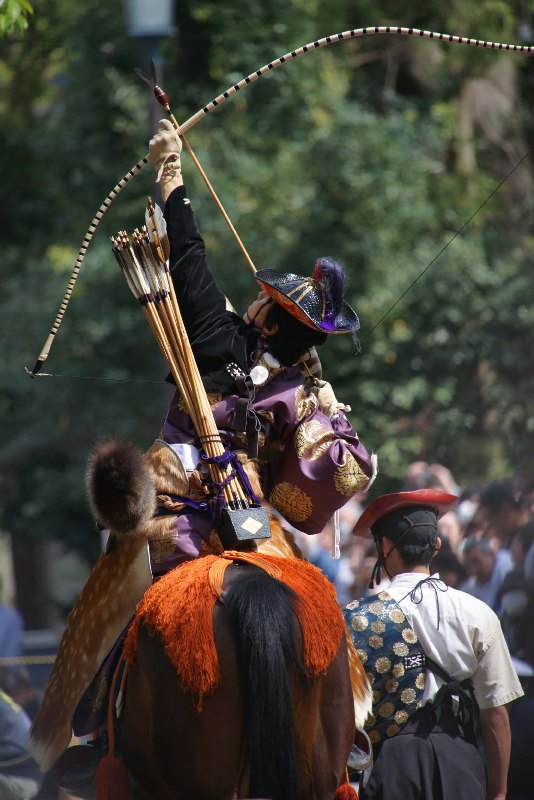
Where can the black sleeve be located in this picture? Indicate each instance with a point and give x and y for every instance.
(217, 336)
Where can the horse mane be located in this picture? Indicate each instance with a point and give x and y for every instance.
(260, 612)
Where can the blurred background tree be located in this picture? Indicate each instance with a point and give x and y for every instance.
(377, 151)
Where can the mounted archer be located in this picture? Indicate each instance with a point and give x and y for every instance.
(282, 428)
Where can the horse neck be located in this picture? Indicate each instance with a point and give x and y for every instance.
(282, 542)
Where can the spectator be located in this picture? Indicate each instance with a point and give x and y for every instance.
(421, 475)
(11, 628)
(516, 598)
(450, 530)
(500, 513)
(486, 570)
(432, 654)
(20, 777)
(447, 564)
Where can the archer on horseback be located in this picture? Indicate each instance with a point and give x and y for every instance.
(270, 404)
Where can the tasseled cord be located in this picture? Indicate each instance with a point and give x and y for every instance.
(336, 552)
(112, 776)
(345, 791)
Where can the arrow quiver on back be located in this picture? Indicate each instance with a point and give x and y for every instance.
(237, 511)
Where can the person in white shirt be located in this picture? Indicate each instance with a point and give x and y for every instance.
(433, 655)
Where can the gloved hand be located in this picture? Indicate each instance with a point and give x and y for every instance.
(327, 400)
(165, 143)
(164, 152)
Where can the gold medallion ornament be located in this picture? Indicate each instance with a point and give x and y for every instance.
(376, 608)
(393, 729)
(400, 649)
(349, 477)
(391, 686)
(408, 696)
(353, 605)
(376, 641)
(382, 664)
(362, 655)
(420, 681)
(409, 635)
(401, 717)
(386, 710)
(378, 627)
(398, 670)
(312, 440)
(396, 615)
(359, 622)
(294, 504)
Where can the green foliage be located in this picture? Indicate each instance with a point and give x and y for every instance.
(351, 151)
(14, 15)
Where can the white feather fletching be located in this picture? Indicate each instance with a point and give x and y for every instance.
(161, 229)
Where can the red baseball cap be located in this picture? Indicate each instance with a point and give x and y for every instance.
(435, 499)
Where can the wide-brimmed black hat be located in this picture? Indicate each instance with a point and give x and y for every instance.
(316, 301)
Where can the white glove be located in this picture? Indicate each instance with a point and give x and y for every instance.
(164, 152)
(328, 402)
(165, 143)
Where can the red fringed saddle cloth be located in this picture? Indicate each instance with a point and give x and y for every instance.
(179, 608)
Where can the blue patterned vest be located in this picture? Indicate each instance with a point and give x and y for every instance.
(393, 659)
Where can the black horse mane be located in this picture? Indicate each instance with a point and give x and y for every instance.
(260, 611)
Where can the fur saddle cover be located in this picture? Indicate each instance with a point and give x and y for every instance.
(179, 606)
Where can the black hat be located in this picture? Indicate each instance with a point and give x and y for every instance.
(317, 301)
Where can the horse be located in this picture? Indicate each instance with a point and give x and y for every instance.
(268, 730)
(277, 716)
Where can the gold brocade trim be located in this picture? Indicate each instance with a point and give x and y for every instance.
(349, 477)
(162, 542)
(312, 439)
(213, 546)
(213, 399)
(294, 504)
(306, 404)
(244, 438)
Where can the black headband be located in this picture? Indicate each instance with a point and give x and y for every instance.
(415, 525)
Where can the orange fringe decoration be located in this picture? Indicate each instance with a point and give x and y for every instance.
(345, 791)
(179, 608)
